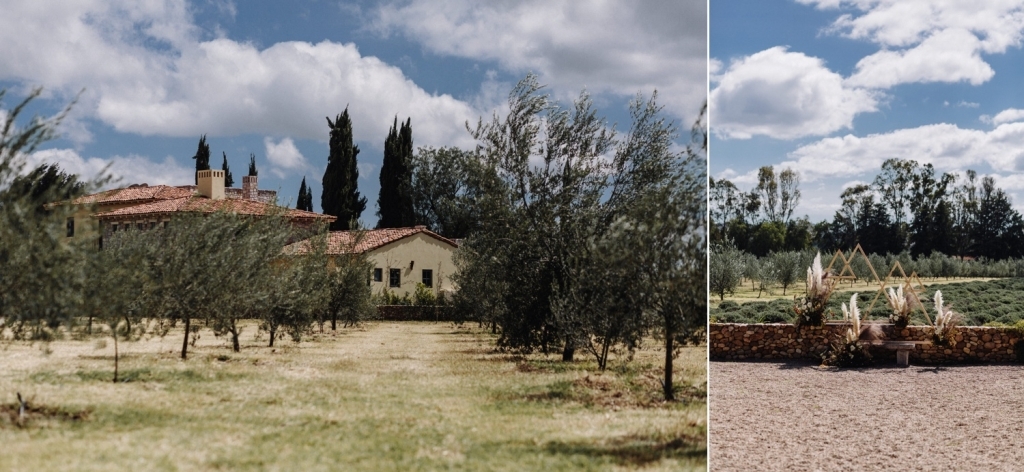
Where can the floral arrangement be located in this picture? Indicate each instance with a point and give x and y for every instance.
(811, 309)
(847, 351)
(946, 319)
(853, 316)
(900, 304)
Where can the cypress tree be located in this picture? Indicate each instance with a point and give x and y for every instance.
(202, 157)
(395, 204)
(228, 179)
(252, 165)
(305, 201)
(340, 196)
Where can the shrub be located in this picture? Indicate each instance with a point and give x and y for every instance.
(424, 296)
(387, 297)
(772, 317)
(729, 305)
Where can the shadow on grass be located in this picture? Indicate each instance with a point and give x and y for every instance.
(144, 374)
(634, 450)
(36, 415)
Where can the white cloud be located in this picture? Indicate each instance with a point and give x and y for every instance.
(853, 183)
(146, 71)
(783, 95)
(617, 46)
(951, 55)
(284, 154)
(125, 170)
(1008, 115)
(927, 40)
(948, 147)
(365, 170)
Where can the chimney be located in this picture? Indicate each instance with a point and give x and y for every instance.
(211, 184)
(249, 190)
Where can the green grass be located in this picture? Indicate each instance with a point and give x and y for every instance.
(387, 396)
(986, 302)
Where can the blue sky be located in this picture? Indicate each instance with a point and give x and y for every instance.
(832, 88)
(260, 77)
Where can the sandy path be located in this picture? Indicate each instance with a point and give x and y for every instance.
(796, 416)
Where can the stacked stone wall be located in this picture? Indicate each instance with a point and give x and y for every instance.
(974, 344)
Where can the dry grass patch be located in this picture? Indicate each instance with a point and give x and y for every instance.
(385, 396)
(32, 415)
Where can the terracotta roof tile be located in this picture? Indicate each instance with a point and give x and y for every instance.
(200, 204)
(134, 194)
(342, 242)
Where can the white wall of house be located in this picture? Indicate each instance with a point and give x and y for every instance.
(410, 256)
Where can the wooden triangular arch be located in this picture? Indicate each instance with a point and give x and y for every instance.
(908, 282)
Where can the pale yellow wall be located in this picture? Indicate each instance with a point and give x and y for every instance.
(425, 252)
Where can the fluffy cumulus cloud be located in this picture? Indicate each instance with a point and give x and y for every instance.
(927, 40)
(1009, 115)
(123, 170)
(948, 147)
(783, 95)
(145, 70)
(284, 154)
(617, 46)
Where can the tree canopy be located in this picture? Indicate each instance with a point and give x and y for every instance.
(229, 180)
(395, 202)
(340, 196)
(202, 157)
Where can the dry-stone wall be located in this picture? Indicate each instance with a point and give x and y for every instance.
(735, 341)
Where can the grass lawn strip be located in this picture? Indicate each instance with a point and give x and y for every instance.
(386, 396)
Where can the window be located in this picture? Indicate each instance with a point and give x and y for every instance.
(428, 277)
(71, 227)
(113, 228)
(152, 224)
(165, 223)
(378, 274)
(142, 226)
(395, 277)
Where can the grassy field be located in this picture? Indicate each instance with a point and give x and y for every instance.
(745, 293)
(979, 302)
(385, 396)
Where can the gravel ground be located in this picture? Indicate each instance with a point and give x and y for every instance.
(798, 416)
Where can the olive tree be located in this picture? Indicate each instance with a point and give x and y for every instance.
(116, 293)
(213, 267)
(548, 165)
(40, 268)
(245, 270)
(724, 270)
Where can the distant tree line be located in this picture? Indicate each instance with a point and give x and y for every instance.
(907, 207)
